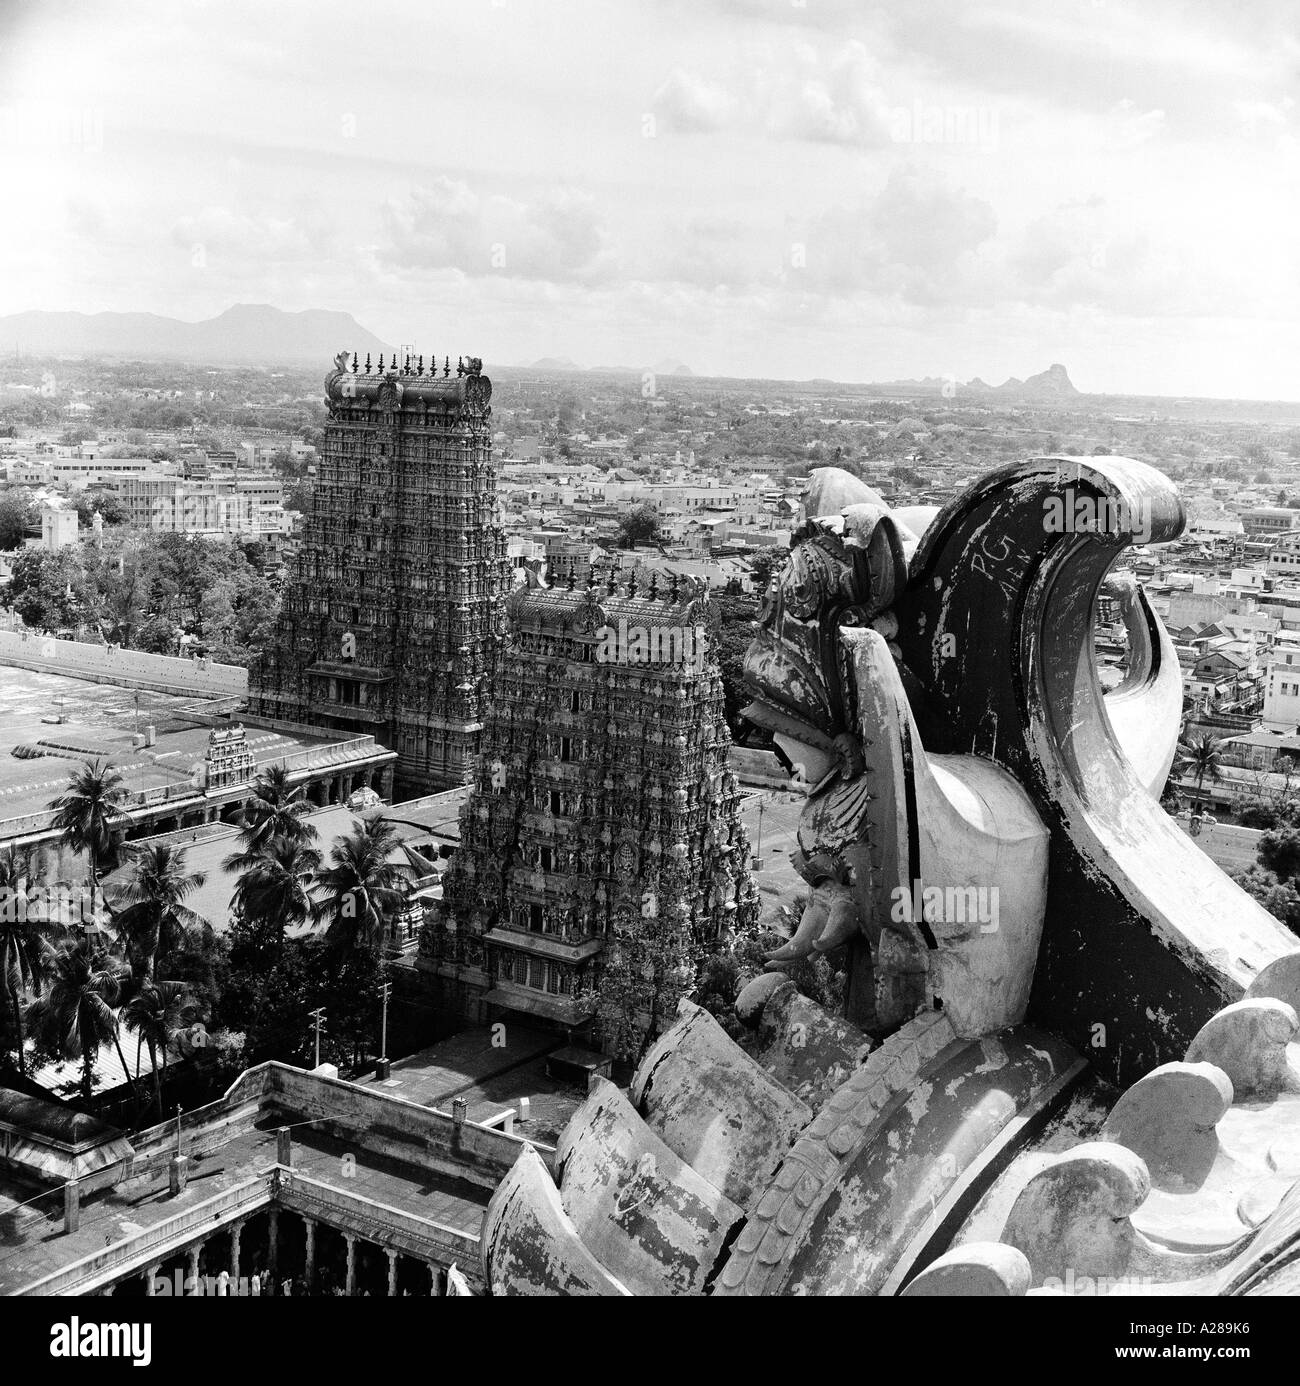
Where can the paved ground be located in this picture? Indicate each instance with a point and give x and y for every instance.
(41, 1247)
(772, 837)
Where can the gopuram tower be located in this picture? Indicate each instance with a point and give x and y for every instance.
(602, 853)
(391, 619)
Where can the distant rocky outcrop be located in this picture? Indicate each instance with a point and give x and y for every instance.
(248, 333)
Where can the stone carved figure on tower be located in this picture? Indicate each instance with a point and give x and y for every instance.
(933, 693)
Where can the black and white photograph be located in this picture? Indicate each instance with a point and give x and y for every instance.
(648, 649)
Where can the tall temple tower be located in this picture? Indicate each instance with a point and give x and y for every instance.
(602, 851)
(391, 621)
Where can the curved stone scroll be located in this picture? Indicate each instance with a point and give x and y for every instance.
(1280, 980)
(1248, 1042)
(528, 1244)
(981, 1269)
(635, 1204)
(1169, 1118)
(1146, 710)
(714, 1107)
(1071, 1219)
(995, 628)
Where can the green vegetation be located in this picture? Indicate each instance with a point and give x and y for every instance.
(304, 933)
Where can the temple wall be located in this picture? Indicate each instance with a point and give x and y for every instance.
(129, 668)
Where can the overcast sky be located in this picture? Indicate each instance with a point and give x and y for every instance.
(784, 188)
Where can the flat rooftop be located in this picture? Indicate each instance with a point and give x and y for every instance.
(491, 1068)
(99, 720)
(38, 1246)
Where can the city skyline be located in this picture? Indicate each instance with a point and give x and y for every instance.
(776, 190)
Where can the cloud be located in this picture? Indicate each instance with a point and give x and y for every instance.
(447, 225)
(223, 232)
(688, 104)
(916, 238)
(783, 92)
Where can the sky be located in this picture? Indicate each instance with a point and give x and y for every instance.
(777, 188)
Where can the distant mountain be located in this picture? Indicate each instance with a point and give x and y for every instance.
(1053, 383)
(555, 363)
(670, 367)
(247, 334)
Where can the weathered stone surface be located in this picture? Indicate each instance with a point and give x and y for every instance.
(995, 625)
(805, 1049)
(755, 995)
(715, 1107)
(1073, 1216)
(1279, 980)
(1248, 1041)
(635, 1204)
(1169, 1118)
(911, 1153)
(529, 1245)
(985, 1269)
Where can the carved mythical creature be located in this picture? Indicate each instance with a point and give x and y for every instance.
(935, 695)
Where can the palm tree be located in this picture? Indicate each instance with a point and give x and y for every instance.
(90, 817)
(157, 1013)
(152, 918)
(275, 884)
(75, 1015)
(26, 948)
(275, 810)
(361, 890)
(1200, 756)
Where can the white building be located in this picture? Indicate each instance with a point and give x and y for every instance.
(1282, 691)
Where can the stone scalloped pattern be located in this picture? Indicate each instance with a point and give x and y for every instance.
(812, 1168)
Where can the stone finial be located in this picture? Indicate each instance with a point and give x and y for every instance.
(1073, 1215)
(674, 586)
(1248, 1041)
(367, 363)
(1168, 1119)
(613, 581)
(1280, 980)
(446, 366)
(460, 365)
(420, 365)
(406, 364)
(356, 361)
(986, 1270)
(654, 585)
